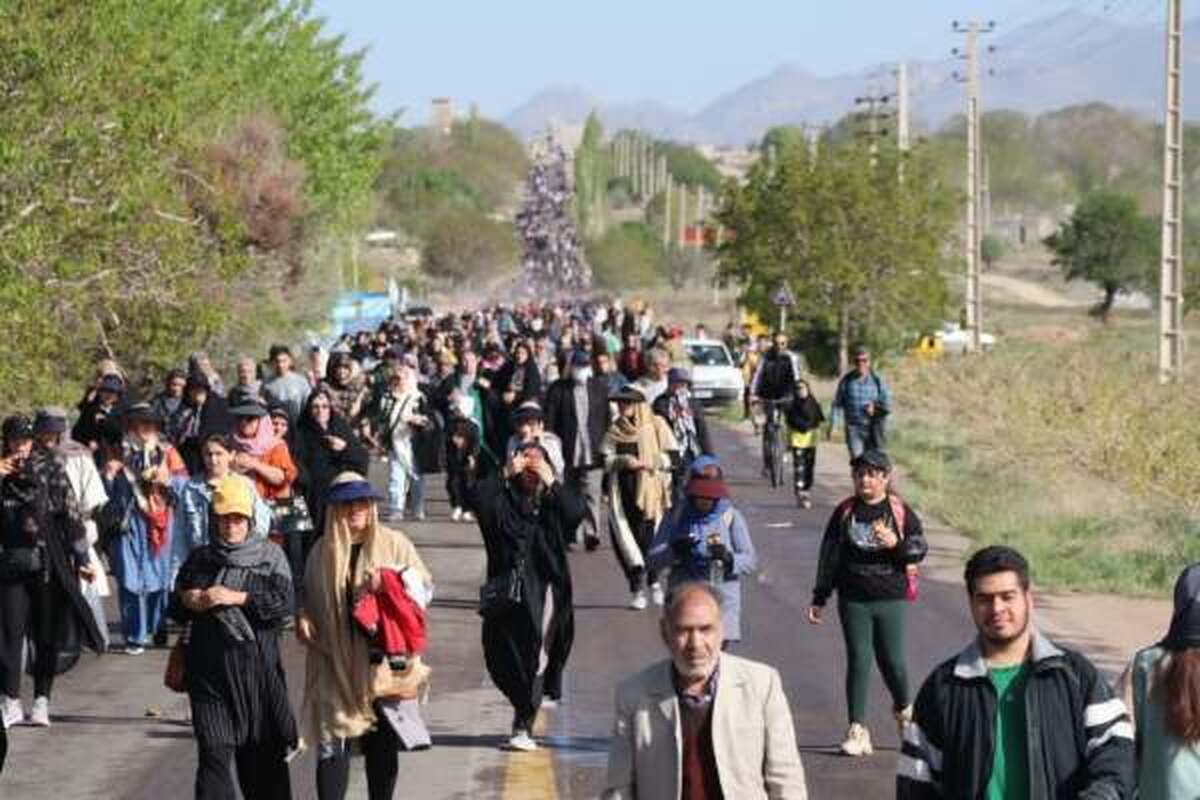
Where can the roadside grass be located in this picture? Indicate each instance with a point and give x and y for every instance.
(1070, 452)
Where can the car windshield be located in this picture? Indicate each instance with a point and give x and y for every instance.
(708, 355)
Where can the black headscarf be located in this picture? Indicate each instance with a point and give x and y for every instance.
(236, 563)
(1185, 621)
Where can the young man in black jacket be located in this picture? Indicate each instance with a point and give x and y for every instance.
(1014, 715)
(577, 412)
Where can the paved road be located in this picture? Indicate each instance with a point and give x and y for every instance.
(103, 746)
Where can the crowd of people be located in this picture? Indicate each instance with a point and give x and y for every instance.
(552, 261)
(230, 514)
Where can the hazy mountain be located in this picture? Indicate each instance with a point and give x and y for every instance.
(1061, 60)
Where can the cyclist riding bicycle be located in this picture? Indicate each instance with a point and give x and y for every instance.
(775, 376)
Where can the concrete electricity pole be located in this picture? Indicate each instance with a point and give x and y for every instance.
(972, 238)
(700, 199)
(667, 215)
(683, 200)
(1170, 302)
(902, 110)
(876, 110)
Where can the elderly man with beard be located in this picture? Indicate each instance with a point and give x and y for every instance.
(1014, 715)
(702, 724)
(526, 517)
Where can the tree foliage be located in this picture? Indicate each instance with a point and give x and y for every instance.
(627, 256)
(592, 172)
(167, 172)
(465, 244)
(426, 173)
(865, 253)
(1107, 241)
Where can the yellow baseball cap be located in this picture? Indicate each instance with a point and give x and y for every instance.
(233, 495)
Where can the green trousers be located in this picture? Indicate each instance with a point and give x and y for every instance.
(873, 631)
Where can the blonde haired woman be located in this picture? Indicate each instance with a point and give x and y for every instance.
(346, 695)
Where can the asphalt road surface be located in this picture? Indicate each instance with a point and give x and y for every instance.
(103, 744)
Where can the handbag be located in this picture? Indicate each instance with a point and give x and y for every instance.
(292, 517)
(503, 592)
(18, 563)
(175, 675)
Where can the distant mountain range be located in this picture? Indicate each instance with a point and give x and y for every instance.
(1061, 60)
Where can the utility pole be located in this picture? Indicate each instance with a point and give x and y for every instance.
(666, 236)
(682, 215)
(875, 105)
(1170, 301)
(972, 238)
(700, 218)
(902, 109)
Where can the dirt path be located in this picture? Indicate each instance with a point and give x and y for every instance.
(1029, 292)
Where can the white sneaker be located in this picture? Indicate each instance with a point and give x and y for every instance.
(904, 718)
(455, 514)
(468, 516)
(657, 595)
(13, 713)
(522, 741)
(858, 741)
(134, 649)
(39, 715)
(638, 601)
(549, 702)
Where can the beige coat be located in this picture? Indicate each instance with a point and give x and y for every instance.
(753, 737)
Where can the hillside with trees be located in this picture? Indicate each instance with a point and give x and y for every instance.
(172, 177)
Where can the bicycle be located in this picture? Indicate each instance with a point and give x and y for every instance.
(773, 444)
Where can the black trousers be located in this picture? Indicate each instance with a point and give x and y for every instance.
(381, 751)
(804, 462)
(262, 774)
(30, 607)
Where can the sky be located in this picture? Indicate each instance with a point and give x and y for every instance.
(499, 53)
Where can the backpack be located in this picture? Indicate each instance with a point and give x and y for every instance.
(900, 514)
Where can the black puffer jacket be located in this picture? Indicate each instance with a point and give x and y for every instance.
(1080, 740)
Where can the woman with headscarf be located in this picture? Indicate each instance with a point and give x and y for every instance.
(347, 695)
(143, 490)
(401, 413)
(234, 594)
(200, 364)
(204, 413)
(323, 445)
(706, 539)
(347, 390)
(526, 517)
(637, 452)
(520, 379)
(43, 555)
(259, 453)
(804, 417)
(195, 523)
(1162, 691)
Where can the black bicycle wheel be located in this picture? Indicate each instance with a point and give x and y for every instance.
(777, 458)
(768, 465)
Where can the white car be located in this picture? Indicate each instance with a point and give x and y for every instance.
(955, 339)
(715, 376)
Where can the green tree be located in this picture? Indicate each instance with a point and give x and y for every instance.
(1107, 241)
(991, 250)
(464, 244)
(627, 256)
(864, 252)
(592, 170)
(172, 174)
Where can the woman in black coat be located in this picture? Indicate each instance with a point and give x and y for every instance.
(526, 517)
(234, 594)
(323, 445)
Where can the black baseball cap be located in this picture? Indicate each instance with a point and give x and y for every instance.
(873, 459)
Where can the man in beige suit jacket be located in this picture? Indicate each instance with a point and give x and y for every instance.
(703, 722)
